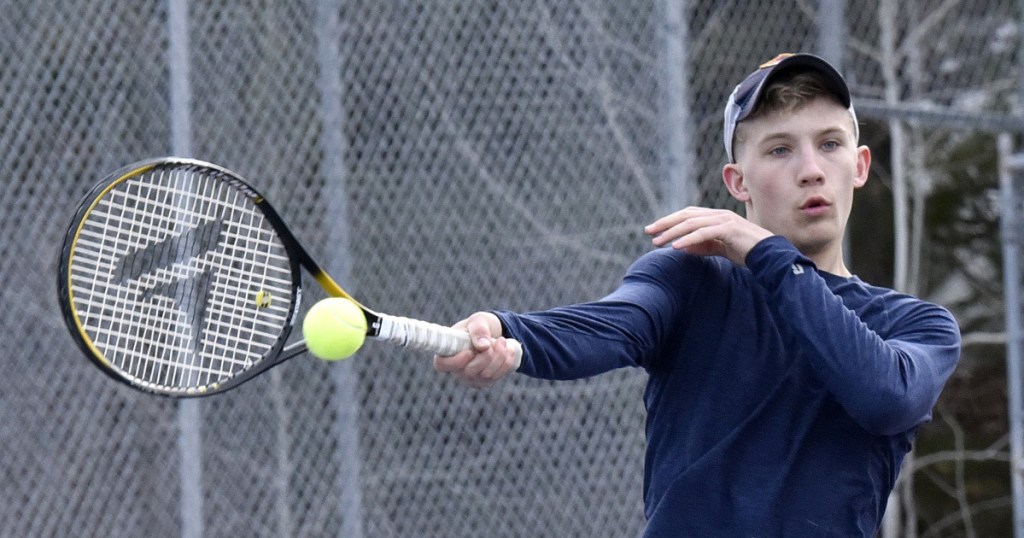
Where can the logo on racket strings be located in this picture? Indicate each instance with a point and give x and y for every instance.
(170, 269)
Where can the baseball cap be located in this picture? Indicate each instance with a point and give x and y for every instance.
(745, 96)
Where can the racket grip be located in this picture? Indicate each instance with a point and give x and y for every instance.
(432, 337)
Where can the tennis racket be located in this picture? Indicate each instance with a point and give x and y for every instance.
(178, 278)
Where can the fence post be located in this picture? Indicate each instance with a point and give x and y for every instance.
(190, 441)
(679, 189)
(1011, 174)
(345, 396)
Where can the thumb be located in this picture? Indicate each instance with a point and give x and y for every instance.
(481, 330)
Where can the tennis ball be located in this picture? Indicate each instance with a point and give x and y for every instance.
(334, 328)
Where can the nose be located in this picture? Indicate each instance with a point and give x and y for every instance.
(810, 172)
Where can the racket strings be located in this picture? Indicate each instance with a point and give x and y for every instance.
(164, 275)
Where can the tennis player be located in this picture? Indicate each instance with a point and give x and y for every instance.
(783, 391)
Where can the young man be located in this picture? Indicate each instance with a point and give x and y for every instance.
(783, 392)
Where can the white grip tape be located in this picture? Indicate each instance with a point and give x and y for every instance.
(423, 335)
(431, 337)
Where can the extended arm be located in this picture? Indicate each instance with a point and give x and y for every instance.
(573, 342)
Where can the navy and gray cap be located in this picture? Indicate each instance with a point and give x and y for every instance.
(745, 97)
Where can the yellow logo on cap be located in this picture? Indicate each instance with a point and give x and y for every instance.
(774, 61)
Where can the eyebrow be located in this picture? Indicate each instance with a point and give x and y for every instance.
(785, 135)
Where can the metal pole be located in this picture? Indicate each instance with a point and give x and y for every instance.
(679, 185)
(1010, 170)
(345, 396)
(831, 23)
(1010, 167)
(190, 440)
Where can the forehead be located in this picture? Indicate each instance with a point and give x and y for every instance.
(818, 115)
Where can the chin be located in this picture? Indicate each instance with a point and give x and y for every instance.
(811, 246)
(814, 238)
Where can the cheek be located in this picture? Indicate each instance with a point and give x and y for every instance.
(765, 206)
(846, 203)
(765, 194)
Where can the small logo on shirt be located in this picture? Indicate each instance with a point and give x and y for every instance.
(798, 269)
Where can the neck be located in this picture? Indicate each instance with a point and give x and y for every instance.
(830, 261)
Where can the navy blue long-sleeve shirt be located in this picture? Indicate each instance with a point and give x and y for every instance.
(781, 400)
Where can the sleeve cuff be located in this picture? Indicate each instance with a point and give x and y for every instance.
(775, 255)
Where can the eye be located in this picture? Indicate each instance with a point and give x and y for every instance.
(830, 145)
(778, 151)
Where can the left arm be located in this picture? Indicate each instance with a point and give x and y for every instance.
(887, 384)
(888, 376)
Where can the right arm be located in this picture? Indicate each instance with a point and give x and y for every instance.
(623, 329)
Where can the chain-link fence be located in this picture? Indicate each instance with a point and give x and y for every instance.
(439, 157)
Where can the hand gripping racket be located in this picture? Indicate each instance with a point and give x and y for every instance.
(178, 278)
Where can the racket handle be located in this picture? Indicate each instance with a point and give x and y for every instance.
(432, 337)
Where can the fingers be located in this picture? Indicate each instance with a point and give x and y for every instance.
(692, 231)
(657, 227)
(673, 219)
(454, 363)
(487, 368)
(690, 227)
(479, 369)
(707, 232)
(490, 359)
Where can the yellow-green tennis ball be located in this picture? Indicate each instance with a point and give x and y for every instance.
(334, 328)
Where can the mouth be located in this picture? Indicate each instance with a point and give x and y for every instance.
(815, 205)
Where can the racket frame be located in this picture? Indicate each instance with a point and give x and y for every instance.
(298, 258)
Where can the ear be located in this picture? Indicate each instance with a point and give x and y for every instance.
(732, 176)
(863, 166)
